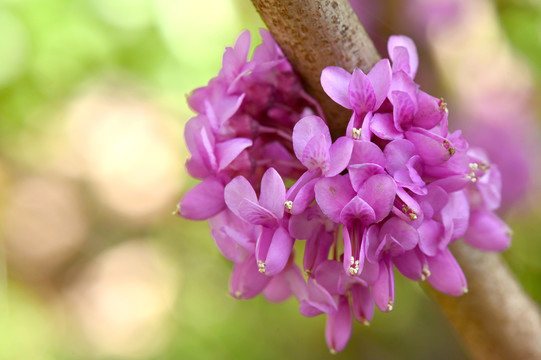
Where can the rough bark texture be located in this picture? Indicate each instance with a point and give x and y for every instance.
(316, 34)
(496, 318)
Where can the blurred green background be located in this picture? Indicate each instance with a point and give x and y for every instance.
(92, 264)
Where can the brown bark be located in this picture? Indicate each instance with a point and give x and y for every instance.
(496, 319)
(316, 34)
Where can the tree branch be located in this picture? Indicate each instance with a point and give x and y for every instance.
(496, 319)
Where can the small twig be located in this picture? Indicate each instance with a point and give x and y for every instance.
(496, 318)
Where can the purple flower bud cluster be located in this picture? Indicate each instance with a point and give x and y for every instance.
(394, 191)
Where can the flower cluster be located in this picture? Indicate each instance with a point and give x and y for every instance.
(394, 191)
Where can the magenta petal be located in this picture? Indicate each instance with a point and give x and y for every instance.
(371, 243)
(362, 303)
(339, 327)
(361, 93)
(273, 193)
(204, 200)
(273, 250)
(402, 232)
(320, 298)
(357, 209)
(487, 231)
(428, 113)
(432, 149)
(382, 125)
(367, 152)
(340, 154)
(335, 82)
(383, 288)
(430, 233)
(403, 54)
(246, 281)
(359, 173)
(445, 274)
(328, 275)
(403, 111)
(228, 150)
(316, 154)
(379, 192)
(397, 153)
(256, 214)
(346, 261)
(236, 191)
(278, 288)
(316, 250)
(411, 264)
(332, 194)
(305, 129)
(380, 78)
(304, 197)
(229, 248)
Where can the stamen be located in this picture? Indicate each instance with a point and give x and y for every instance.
(408, 211)
(364, 321)
(238, 294)
(474, 166)
(356, 133)
(443, 106)
(446, 144)
(261, 265)
(288, 205)
(425, 272)
(354, 266)
(390, 305)
(464, 290)
(176, 211)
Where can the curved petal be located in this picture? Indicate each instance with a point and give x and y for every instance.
(332, 194)
(246, 281)
(402, 232)
(236, 191)
(228, 150)
(379, 192)
(445, 274)
(273, 193)
(380, 78)
(487, 231)
(361, 93)
(204, 200)
(305, 129)
(362, 303)
(357, 209)
(403, 54)
(335, 82)
(382, 125)
(340, 155)
(366, 152)
(316, 154)
(273, 250)
(339, 327)
(383, 288)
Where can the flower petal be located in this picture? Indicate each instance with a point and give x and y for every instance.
(379, 192)
(236, 191)
(383, 288)
(228, 150)
(273, 250)
(273, 193)
(339, 327)
(305, 129)
(403, 54)
(340, 155)
(380, 78)
(246, 281)
(361, 93)
(445, 274)
(487, 231)
(335, 82)
(204, 200)
(332, 194)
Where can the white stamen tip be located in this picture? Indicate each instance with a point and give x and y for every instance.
(288, 205)
(464, 290)
(176, 211)
(426, 272)
(261, 266)
(356, 133)
(390, 305)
